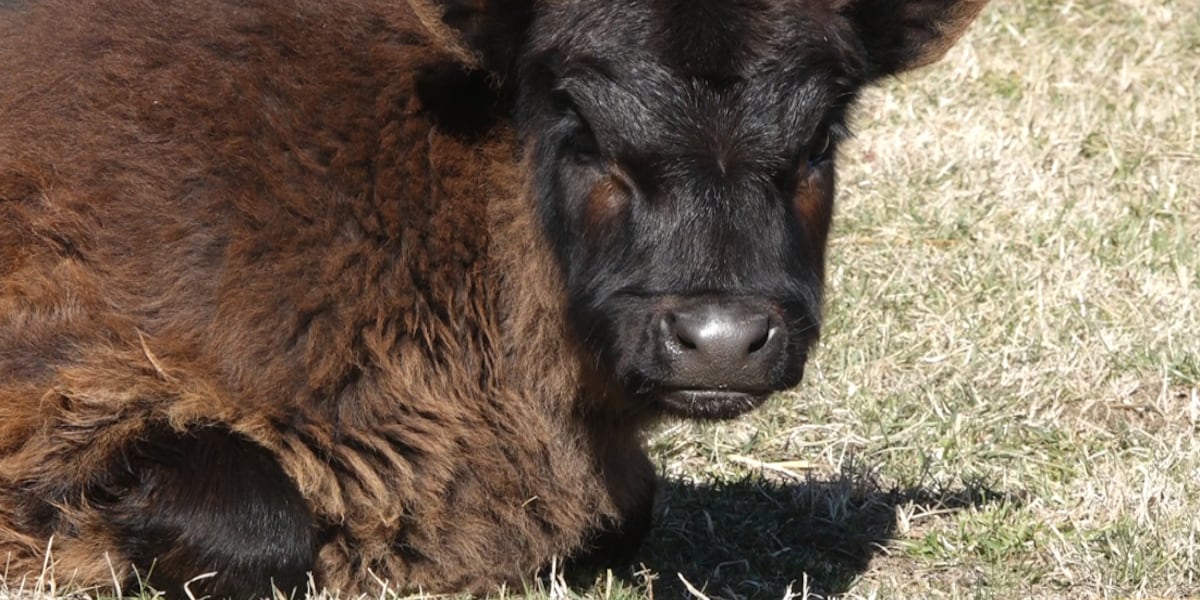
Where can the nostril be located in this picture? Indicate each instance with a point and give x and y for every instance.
(685, 333)
(715, 332)
(671, 329)
(720, 344)
(685, 341)
(761, 341)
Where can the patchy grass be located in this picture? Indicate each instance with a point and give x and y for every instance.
(1007, 398)
(1006, 402)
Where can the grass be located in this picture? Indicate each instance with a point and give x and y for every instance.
(1007, 399)
(1006, 402)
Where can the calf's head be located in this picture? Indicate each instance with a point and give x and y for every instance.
(683, 158)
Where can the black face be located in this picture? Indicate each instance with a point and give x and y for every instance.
(683, 154)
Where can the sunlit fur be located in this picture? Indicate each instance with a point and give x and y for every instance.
(382, 284)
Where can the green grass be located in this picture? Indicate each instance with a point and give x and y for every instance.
(1006, 401)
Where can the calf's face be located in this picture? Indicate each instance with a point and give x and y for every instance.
(683, 155)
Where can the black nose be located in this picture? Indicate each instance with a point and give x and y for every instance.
(721, 344)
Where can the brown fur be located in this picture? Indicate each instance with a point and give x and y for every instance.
(242, 218)
(387, 323)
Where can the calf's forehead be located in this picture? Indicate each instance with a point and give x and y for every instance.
(715, 40)
(663, 69)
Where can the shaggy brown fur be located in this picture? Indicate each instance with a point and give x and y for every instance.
(241, 217)
(384, 323)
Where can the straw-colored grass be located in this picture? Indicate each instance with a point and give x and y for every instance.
(1007, 398)
(1006, 402)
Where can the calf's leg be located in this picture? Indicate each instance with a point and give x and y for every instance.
(616, 541)
(205, 501)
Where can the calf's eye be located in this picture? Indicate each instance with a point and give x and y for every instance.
(582, 147)
(579, 145)
(821, 151)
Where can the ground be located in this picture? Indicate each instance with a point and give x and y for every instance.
(1006, 400)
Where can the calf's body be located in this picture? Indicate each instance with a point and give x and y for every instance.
(374, 290)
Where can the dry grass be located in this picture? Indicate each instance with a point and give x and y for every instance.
(1011, 367)
(1007, 399)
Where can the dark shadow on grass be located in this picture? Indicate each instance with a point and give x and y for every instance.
(754, 537)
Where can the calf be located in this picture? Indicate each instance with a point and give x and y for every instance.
(378, 290)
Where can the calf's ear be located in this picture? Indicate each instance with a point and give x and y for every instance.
(470, 93)
(482, 34)
(905, 34)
